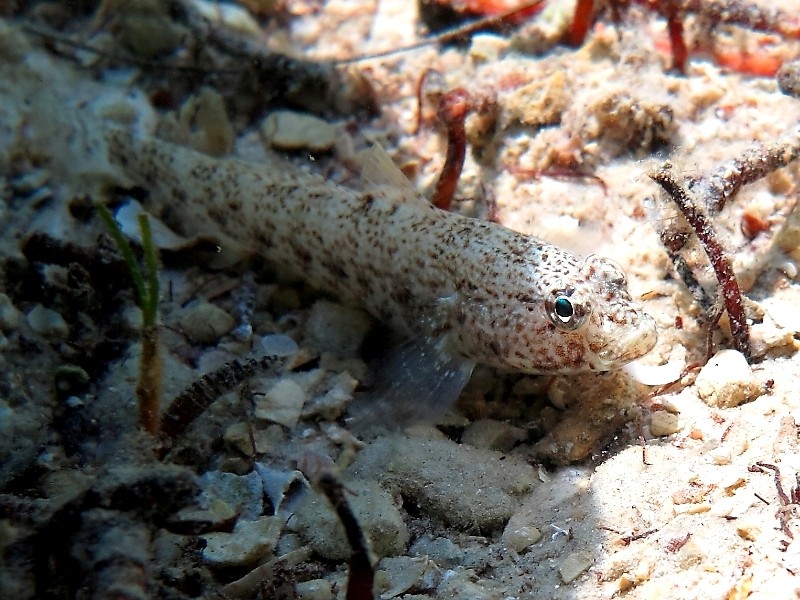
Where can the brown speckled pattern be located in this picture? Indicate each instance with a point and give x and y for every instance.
(416, 268)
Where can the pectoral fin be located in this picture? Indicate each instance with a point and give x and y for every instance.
(418, 381)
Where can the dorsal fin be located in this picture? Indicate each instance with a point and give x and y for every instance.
(380, 172)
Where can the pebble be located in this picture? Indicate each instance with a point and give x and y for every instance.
(336, 328)
(727, 380)
(242, 436)
(47, 322)
(789, 79)
(242, 491)
(293, 131)
(10, 317)
(314, 589)
(372, 506)
(132, 321)
(487, 490)
(440, 550)
(493, 435)
(229, 16)
(486, 47)
(748, 529)
(331, 405)
(278, 344)
(204, 323)
(402, 573)
(520, 539)
(664, 423)
(249, 542)
(282, 403)
(574, 565)
(217, 514)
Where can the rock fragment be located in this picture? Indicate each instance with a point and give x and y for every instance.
(574, 565)
(493, 435)
(664, 423)
(249, 542)
(293, 131)
(48, 323)
(375, 511)
(727, 381)
(520, 538)
(205, 323)
(487, 491)
(282, 403)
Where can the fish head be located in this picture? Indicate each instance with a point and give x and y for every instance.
(575, 316)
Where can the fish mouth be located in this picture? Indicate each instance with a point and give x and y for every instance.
(630, 344)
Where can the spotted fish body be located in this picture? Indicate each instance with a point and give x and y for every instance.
(487, 293)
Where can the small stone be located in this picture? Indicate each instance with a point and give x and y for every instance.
(217, 514)
(375, 511)
(487, 47)
(727, 381)
(748, 530)
(692, 509)
(229, 16)
(493, 435)
(403, 573)
(282, 403)
(149, 34)
(10, 317)
(293, 131)
(132, 321)
(240, 437)
(333, 403)
(315, 589)
(205, 323)
(441, 550)
(484, 496)
(664, 423)
(789, 79)
(238, 465)
(249, 542)
(574, 565)
(520, 538)
(48, 323)
(242, 491)
(278, 344)
(625, 582)
(336, 328)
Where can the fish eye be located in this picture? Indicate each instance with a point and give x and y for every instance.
(563, 307)
(565, 312)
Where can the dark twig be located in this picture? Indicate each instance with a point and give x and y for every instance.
(700, 223)
(453, 110)
(361, 579)
(426, 75)
(755, 163)
(785, 500)
(637, 536)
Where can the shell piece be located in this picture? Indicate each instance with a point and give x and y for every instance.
(283, 488)
(282, 403)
